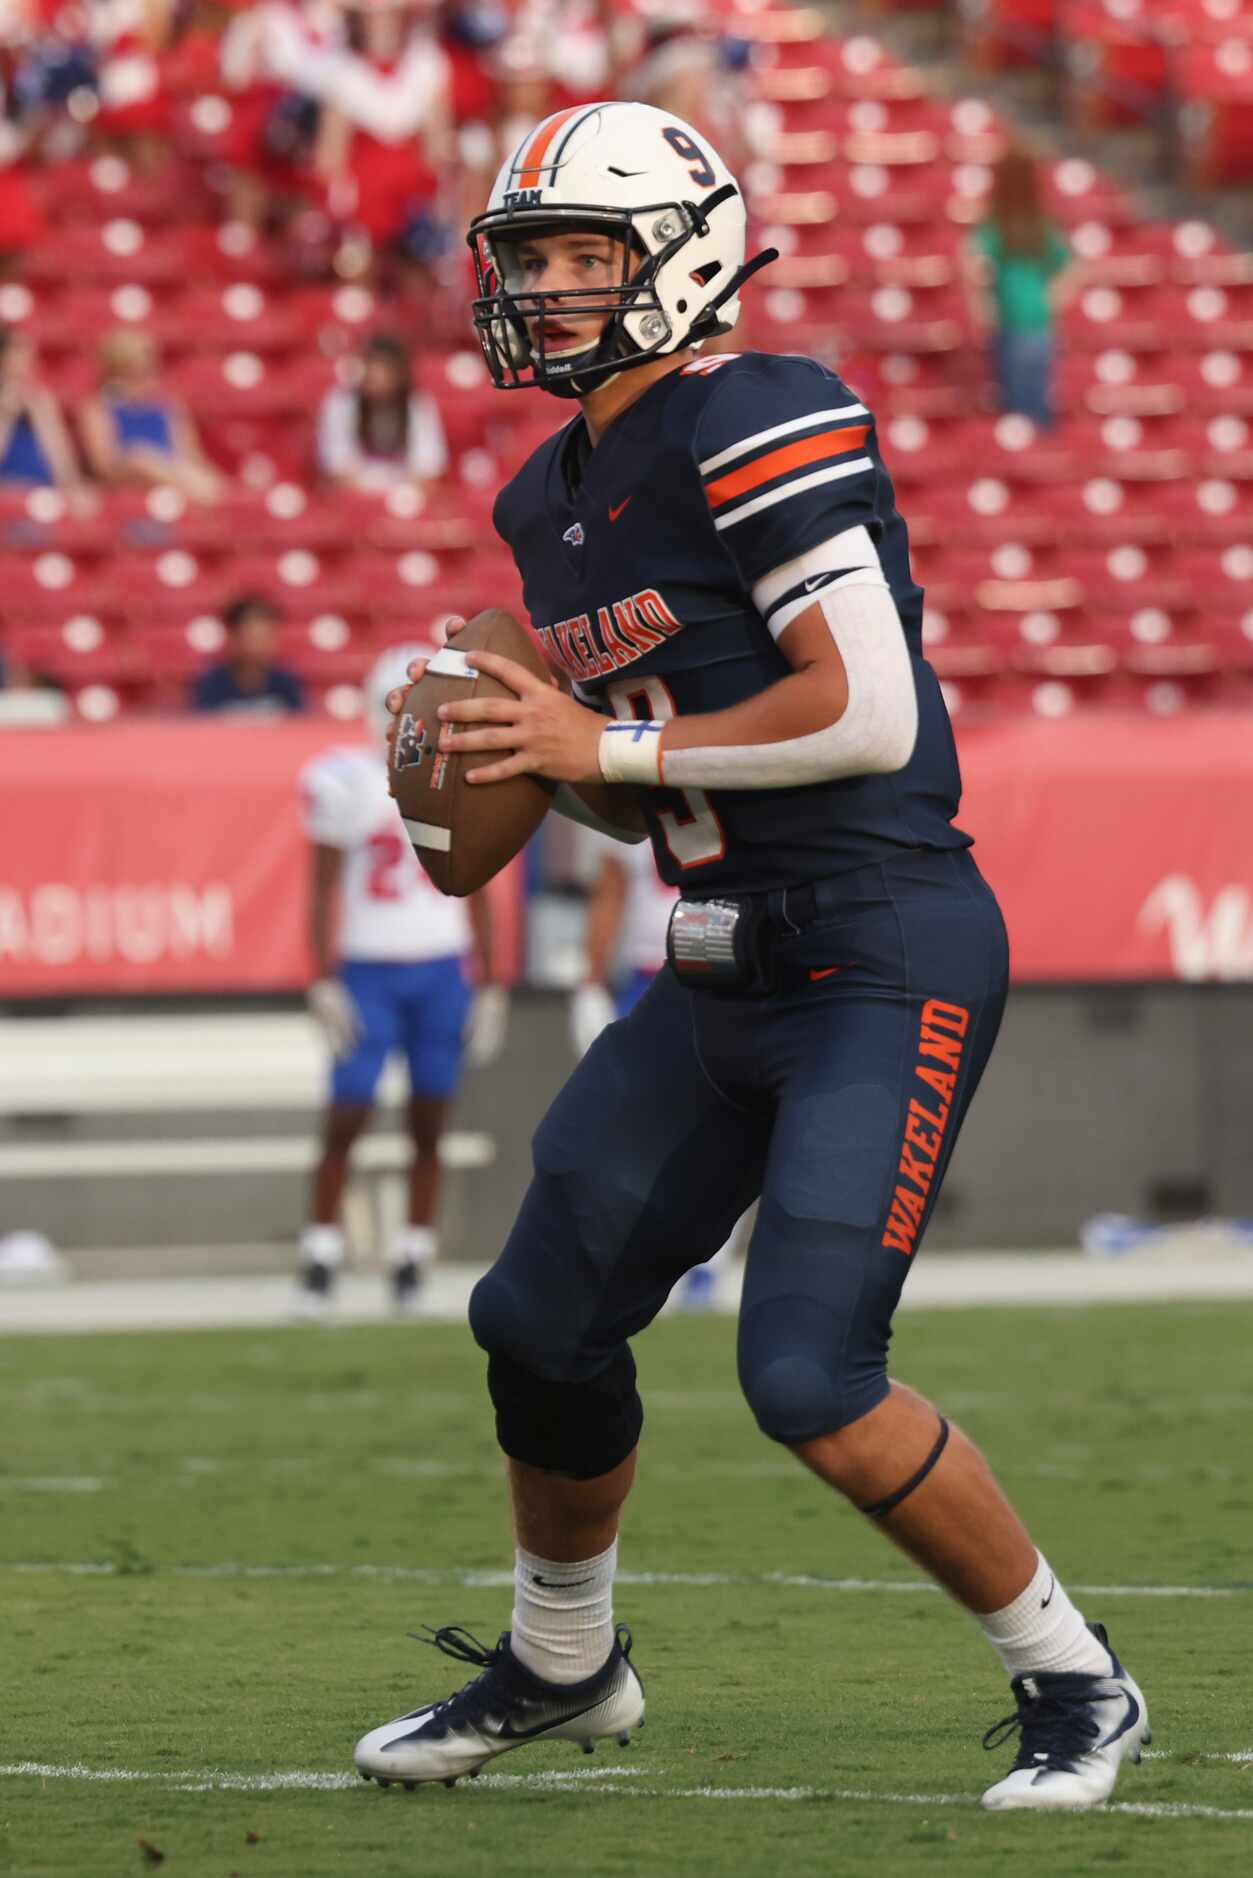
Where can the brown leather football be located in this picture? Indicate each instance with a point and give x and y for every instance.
(462, 832)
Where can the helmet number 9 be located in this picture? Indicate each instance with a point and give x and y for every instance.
(692, 154)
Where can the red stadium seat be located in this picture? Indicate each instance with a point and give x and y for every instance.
(140, 587)
(242, 316)
(1061, 679)
(1116, 63)
(104, 188)
(115, 253)
(76, 651)
(1215, 81)
(1009, 32)
(46, 588)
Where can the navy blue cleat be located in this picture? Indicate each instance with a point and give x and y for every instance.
(503, 1708)
(1074, 1734)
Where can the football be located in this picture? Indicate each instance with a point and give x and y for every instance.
(463, 833)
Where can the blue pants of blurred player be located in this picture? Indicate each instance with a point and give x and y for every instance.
(417, 1008)
(836, 1098)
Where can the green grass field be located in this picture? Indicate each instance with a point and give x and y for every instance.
(214, 1544)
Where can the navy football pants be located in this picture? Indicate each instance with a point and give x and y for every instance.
(836, 1099)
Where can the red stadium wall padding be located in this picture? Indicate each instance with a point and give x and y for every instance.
(158, 857)
(162, 857)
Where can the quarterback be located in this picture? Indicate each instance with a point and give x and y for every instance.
(713, 559)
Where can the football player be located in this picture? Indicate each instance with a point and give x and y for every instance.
(712, 555)
(389, 956)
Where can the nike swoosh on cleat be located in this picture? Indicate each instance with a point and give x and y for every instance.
(1129, 1721)
(614, 513)
(825, 971)
(507, 1732)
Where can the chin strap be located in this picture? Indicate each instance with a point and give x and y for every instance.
(737, 280)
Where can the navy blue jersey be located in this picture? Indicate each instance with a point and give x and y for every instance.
(639, 562)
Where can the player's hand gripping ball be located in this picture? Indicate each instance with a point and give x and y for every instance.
(462, 833)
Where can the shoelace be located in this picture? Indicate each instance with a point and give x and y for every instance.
(1056, 1729)
(461, 1644)
(456, 1641)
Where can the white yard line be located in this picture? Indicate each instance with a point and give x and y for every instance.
(576, 1780)
(482, 1579)
(940, 1281)
(53, 1483)
(219, 1780)
(1243, 1755)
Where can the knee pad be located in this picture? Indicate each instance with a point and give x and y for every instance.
(578, 1429)
(798, 1379)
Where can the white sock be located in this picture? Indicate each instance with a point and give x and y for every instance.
(563, 1614)
(414, 1244)
(1042, 1630)
(323, 1244)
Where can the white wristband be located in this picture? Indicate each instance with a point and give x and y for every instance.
(630, 752)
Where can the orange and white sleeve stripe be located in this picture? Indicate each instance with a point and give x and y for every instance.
(784, 461)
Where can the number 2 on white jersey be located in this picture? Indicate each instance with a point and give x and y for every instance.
(693, 833)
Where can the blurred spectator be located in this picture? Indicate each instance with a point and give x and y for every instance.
(29, 697)
(21, 219)
(134, 431)
(135, 113)
(35, 447)
(248, 679)
(273, 63)
(383, 432)
(1019, 275)
(384, 137)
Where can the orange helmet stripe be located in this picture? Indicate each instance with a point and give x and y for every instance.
(527, 172)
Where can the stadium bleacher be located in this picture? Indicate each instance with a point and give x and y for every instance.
(1135, 509)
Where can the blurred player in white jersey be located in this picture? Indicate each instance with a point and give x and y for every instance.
(391, 974)
(628, 912)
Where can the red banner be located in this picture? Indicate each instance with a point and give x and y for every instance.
(168, 856)
(1119, 846)
(164, 856)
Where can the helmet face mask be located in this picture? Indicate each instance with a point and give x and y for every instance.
(668, 203)
(512, 320)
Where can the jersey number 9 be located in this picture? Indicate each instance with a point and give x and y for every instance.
(687, 147)
(691, 827)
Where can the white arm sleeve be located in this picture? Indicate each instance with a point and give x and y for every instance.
(874, 735)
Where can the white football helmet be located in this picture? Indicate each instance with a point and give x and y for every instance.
(390, 669)
(653, 183)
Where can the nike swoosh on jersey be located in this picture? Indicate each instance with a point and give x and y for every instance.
(824, 971)
(614, 513)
